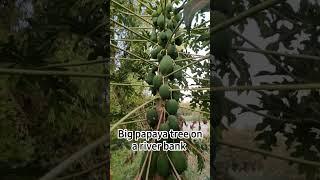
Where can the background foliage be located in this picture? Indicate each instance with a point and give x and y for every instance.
(293, 28)
(46, 118)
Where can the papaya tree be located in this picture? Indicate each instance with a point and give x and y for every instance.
(163, 59)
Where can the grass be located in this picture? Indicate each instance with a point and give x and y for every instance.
(122, 170)
(192, 172)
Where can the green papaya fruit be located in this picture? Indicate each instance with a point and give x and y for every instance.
(173, 122)
(169, 6)
(154, 53)
(149, 78)
(163, 35)
(164, 91)
(179, 160)
(169, 33)
(152, 117)
(179, 74)
(153, 36)
(170, 25)
(172, 51)
(154, 14)
(163, 164)
(178, 17)
(172, 106)
(157, 81)
(159, 57)
(160, 21)
(154, 21)
(166, 65)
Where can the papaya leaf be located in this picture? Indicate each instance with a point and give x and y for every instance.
(192, 8)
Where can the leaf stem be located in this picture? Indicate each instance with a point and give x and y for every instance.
(294, 56)
(258, 87)
(11, 71)
(131, 112)
(131, 12)
(266, 153)
(256, 9)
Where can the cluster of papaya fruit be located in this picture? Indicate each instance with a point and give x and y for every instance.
(222, 40)
(167, 35)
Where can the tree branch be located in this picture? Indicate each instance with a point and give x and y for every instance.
(133, 13)
(256, 9)
(257, 87)
(267, 153)
(11, 71)
(295, 56)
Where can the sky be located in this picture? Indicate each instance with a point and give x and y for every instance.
(258, 62)
(201, 52)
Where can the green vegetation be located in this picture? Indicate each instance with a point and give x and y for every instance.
(163, 164)
(179, 160)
